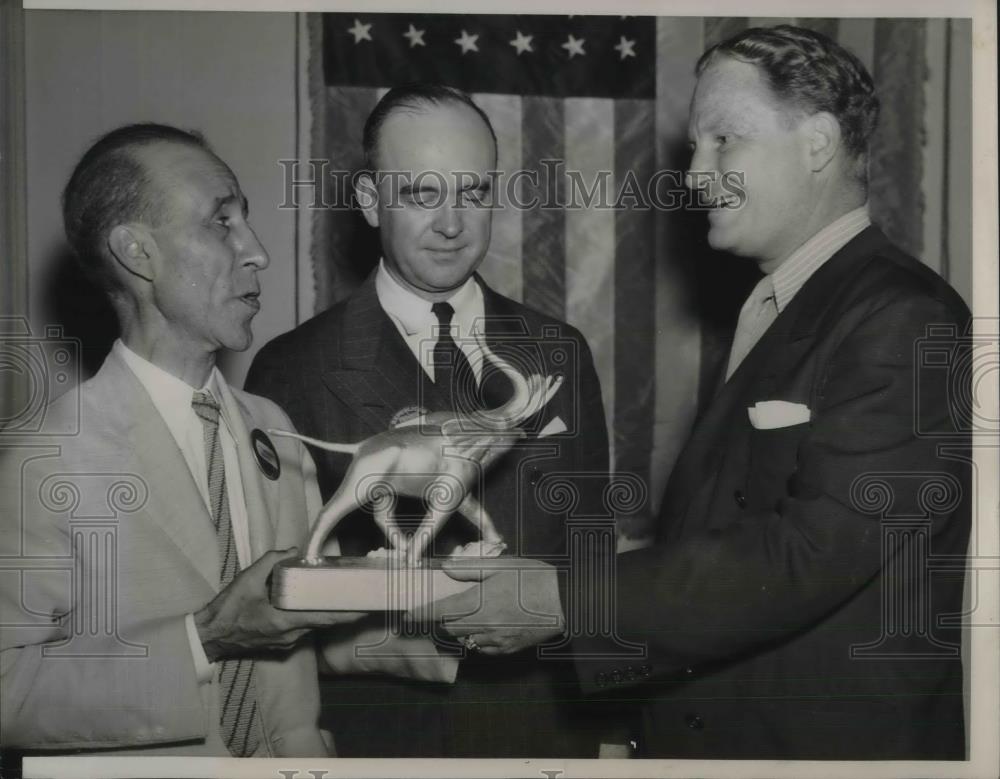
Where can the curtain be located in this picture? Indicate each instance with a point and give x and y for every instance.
(19, 376)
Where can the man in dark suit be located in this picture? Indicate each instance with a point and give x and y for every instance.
(813, 534)
(405, 340)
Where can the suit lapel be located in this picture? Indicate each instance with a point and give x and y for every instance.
(501, 320)
(261, 503)
(502, 324)
(793, 330)
(175, 503)
(378, 374)
(806, 310)
(825, 288)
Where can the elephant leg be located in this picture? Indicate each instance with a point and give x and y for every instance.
(343, 502)
(424, 534)
(476, 513)
(384, 512)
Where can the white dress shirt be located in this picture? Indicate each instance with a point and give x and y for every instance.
(418, 325)
(172, 399)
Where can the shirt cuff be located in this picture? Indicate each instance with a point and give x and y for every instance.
(203, 669)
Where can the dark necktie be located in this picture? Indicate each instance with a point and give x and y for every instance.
(453, 374)
(239, 721)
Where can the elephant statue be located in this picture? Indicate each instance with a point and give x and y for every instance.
(435, 456)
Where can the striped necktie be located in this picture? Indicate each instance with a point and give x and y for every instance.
(757, 314)
(239, 722)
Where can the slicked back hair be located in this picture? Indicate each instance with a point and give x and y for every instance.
(808, 71)
(111, 186)
(414, 97)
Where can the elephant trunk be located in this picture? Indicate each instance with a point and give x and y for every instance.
(519, 406)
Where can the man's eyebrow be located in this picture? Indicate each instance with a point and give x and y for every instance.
(221, 202)
(409, 189)
(707, 121)
(722, 124)
(484, 184)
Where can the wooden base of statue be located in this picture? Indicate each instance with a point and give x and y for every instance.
(360, 584)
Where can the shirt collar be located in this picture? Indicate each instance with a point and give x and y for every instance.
(171, 396)
(414, 313)
(789, 277)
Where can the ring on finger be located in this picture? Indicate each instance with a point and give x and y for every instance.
(470, 643)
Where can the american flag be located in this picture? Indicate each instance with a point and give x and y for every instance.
(606, 93)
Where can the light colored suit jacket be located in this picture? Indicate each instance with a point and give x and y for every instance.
(105, 545)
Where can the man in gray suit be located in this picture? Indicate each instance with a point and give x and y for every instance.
(163, 640)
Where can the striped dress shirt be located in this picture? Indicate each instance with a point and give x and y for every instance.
(775, 291)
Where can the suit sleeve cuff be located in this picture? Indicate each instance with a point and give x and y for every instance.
(203, 669)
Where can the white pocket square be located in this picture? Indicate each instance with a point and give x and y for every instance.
(554, 427)
(771, 414)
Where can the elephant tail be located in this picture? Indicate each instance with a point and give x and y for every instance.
(326, 445)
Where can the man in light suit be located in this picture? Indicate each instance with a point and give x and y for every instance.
(158, 637)
(353, 370)
(813, 534)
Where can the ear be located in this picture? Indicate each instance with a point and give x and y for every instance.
(823, 138)
(367, 194)
(132, 247)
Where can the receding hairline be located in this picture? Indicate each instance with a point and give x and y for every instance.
(777, 101)
(141, 152)
(162, 175)
(419, 105)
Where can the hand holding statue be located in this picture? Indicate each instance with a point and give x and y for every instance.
(241, 619)
(516, 605)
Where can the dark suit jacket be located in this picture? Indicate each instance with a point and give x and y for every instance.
(788, 605)
(342, 376)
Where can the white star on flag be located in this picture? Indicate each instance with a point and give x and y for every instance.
(574, 46)
(625, 48)
(522, 43)
(361, 32)
(415, 36)
(467, 42)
